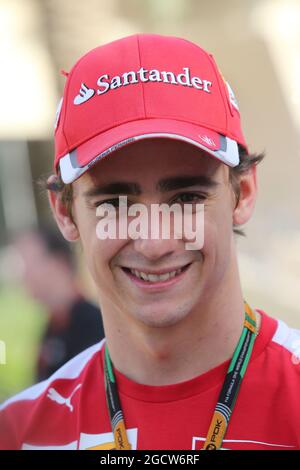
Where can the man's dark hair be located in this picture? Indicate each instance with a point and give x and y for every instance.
(247, 161)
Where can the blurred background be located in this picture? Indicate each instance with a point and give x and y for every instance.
(256, 44)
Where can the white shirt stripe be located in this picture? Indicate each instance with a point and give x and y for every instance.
(287, 337)
(70, 370)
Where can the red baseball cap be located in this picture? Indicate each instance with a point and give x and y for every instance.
(139, 87)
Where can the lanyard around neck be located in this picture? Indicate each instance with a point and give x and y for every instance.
(232, 383)
(226, 400)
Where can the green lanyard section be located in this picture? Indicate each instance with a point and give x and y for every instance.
(226, 400)
(114, 406)
(232, 383)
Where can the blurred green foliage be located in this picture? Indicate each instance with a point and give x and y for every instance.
(22, 322)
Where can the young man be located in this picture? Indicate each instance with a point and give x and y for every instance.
(186, 363)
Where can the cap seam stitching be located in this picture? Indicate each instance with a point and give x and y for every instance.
(220, 83)
(140, 61)
(66, 94)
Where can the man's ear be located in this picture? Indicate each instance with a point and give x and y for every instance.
(65, 223)
(248, 190)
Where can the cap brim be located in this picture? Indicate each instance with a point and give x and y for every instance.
(80, 160)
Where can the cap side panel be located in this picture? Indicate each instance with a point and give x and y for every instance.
(117, 94)
(185, 87)
(221, 88)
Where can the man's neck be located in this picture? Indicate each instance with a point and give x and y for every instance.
(177, 353)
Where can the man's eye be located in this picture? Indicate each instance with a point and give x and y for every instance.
(190, 197)
(114, 202)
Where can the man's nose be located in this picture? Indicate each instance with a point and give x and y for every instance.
(161, 235)
(154, 249)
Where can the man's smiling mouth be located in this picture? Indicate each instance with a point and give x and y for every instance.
(156, 277)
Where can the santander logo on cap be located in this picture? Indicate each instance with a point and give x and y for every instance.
(85, 94)
(142, 75)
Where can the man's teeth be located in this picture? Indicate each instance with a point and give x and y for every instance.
(155, 277)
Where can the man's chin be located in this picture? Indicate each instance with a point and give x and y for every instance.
(162, 317)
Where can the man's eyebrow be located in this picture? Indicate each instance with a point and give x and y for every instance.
(117, 188)
(179, 182)
(164, 185)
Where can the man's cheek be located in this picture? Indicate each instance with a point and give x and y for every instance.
(211, 231)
